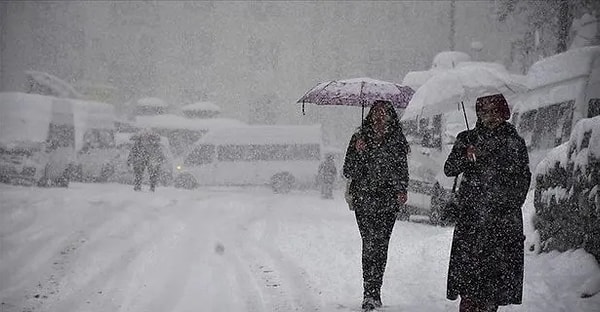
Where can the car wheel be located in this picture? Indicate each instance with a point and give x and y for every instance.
(282, 182)
(185, 181)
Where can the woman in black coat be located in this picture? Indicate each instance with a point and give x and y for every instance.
(376, 163)
(486, 261)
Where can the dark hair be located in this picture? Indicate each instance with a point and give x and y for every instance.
(394, 127)
(498, 101)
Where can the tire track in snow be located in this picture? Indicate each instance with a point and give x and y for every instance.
(285, 285)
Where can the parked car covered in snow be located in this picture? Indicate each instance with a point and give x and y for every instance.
(124, 173)
(37, 139)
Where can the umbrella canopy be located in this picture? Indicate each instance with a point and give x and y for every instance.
(358, 92)
(446, 90)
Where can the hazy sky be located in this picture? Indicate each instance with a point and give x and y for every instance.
(254, 59)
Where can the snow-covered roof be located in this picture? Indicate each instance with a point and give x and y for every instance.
(563, 66)
(169, 121)
(449, 59)
(202, 106)
(152, 101)
(24, 117)
(250, 134)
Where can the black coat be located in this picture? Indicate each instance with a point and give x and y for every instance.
(486, 260)
(380, 171)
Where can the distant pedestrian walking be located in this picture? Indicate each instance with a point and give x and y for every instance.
(486, 261)
(146, 154)
(326, 176)
(376, 163)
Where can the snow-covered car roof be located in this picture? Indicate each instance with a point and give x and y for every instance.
(292, 134)
(151, 101)
(563, 66)
(203, 106)
(169, 121)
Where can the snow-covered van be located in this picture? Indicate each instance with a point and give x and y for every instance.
(564, 88)
(37, 139)
(280, 156)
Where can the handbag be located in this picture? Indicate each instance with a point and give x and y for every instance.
(451, 211)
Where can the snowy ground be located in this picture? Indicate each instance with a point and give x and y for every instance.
(107, 248)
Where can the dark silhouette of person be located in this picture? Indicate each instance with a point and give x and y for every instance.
(326, 174)
(146, 153)
(486, 260)
(376, 163)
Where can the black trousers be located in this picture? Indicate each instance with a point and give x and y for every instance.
(138, 171)
(375, 217)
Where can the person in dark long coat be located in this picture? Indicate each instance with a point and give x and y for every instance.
(486, 260)
(376, 163)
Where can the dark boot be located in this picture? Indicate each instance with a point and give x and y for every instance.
(368, 304)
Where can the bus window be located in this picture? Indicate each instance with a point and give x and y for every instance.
(202, 154)
(593, 108)
(271, 152)
(564, 123)
(98, 138)
(60, 136)
(553, 125)
(526, 126)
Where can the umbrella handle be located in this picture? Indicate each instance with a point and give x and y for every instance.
(362, 116)
(465, 114)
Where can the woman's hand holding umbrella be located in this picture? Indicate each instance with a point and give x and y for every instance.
(402, 197)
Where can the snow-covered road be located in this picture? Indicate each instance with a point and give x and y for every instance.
(107, 248)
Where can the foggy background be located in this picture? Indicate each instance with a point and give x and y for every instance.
(253, 59)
